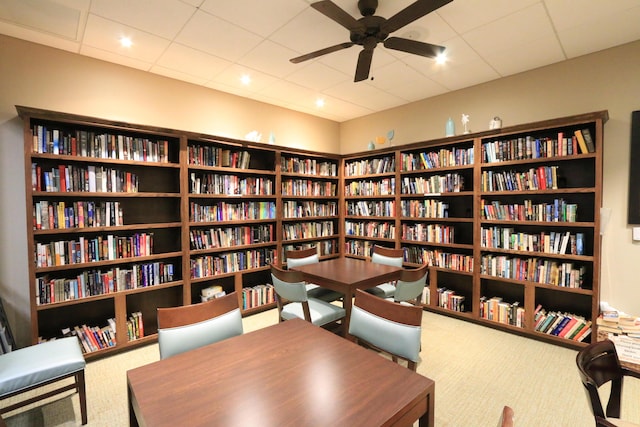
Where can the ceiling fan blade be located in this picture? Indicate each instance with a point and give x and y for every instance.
(412, 12)
(321, 52)
(364, 65)
(412, 46)
(334, 12)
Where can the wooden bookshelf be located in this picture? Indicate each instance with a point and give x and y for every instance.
(456, 203)
(182, 212)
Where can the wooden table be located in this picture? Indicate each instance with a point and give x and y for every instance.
(289, 374)
(345, 275)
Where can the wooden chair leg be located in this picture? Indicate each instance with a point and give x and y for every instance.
(82, 393)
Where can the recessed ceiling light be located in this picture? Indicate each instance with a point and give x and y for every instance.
(441, 58)
(319, 102)
(245, 79)
(125, 41)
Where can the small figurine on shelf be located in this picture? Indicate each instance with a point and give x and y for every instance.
(465, 122)
(450, 128)
(495, 123)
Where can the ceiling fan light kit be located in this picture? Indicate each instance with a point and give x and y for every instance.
(371, 29)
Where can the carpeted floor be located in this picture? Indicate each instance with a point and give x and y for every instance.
(477, 371)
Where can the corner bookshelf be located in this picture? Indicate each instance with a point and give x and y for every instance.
(507, 219)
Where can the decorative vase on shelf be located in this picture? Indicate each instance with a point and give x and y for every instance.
(450, 128)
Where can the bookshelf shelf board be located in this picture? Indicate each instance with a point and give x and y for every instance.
(232, 248)
(233, 196)
(113, 228)
(443, 194)
(564, 224)
(436, 170)
(435, 219)
(92, 195)
(487, 165)
(539, 192)
(95, 264)
(100, 160)
(442, 245)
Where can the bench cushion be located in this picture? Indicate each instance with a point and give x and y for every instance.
(39, 363)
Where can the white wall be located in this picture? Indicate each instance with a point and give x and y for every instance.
(607, 80)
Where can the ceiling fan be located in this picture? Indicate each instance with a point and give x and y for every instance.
(370, 30)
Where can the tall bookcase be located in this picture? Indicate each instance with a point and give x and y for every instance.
(508, 220)
(124, 218)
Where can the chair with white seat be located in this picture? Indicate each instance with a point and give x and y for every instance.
(188, 327)
(410, 285)
(32, 367)
(296, 258)
(387, 326)
(293, 301)
(387, 256)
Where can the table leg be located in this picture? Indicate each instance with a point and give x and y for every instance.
(347, 303)
(428, 418)
(133, 420)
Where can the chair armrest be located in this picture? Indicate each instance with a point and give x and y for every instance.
(631, 372)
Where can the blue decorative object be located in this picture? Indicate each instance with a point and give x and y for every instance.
(371, 145)
(450, 129)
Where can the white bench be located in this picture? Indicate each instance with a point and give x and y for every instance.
(38, 365)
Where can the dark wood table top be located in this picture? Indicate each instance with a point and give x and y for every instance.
(292, 374)
(338, 273)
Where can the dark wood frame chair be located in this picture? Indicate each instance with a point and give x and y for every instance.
(598, 364)
(392, 311)
(314, 291)
(409, 276)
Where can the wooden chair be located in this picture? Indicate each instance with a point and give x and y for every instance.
(191, 326)
(300, 257)
(387, 256)
(387, 326)
(32, 367)
(598, 364)
(410, 285)
(293, 302)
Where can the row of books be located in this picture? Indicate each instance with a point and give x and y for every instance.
(308, 187)
(225, 211)
(93, 338)
(528, 147)
(308, 166)
(438, 258)
(618, 324)
(98, 282)
(208, 155)
(308, 208)
(229, 185)
(425, 208)
(230, 262)
(257, 296)
(324, 247)
(435, 184)
(98, 145)
(371, 208)
(386, 230)
(380, 187)
(99, 248)
(308, 230)
(135, 326)
(433, 233)
(74, 178)
(497, 310)
(52, 215)
(540, 178)
(564, 325)
(554, 273)
(457, 156)
(558, 211)
(231, 236)
(550, 242)
(448, 299)
(386, 164)
(359, 247)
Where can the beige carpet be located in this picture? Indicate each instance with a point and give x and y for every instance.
(477, 370)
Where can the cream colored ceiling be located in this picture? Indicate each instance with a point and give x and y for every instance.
(214, 42)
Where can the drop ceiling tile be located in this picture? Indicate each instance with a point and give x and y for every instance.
(365, 95)
(162, 18)
(178, 75)
(569, 14)
(527, 56)
(231, 77)
(105, 35)
(49, 17)
(464, 16)
(34, 36)
(192, 62)
(217, 37)
(510, 31)
(458, 52)
(317, 76)
(405, 82)
(104, 55)
(290, 93)
(270, 58)
(455, 77)
(608, 31)
(251, 14)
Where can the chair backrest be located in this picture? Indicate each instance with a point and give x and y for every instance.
(411, 283)
(598, 364)
(387, 256)
(289, 286)
(191, 326)
(388, 326)
(300, 257)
